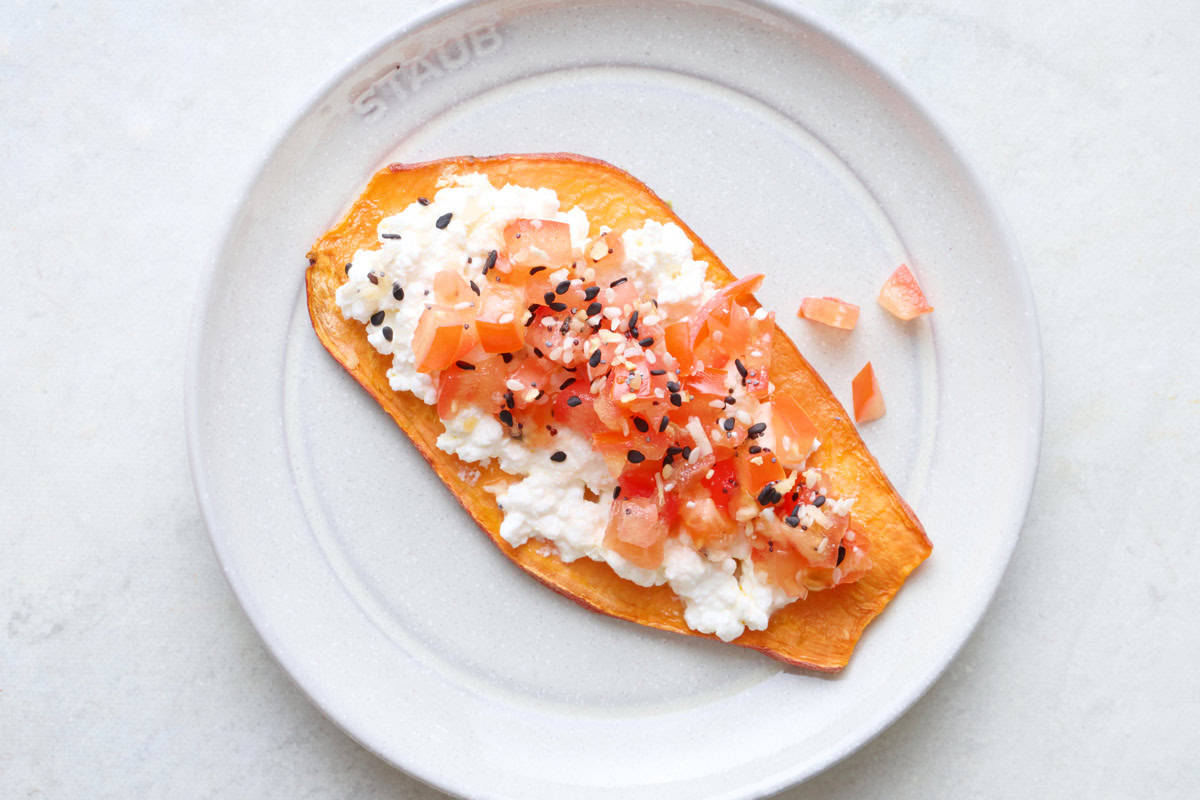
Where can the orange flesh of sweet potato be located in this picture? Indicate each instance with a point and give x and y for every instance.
(819, 632)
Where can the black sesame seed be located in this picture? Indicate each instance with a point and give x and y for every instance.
(490, 262)
(687, 452)
(563, 287)
(574, 400)
(662, 426)
(591, 292)
(538, 352)
(397, 291)
(755, 449)
(756, 430)
(841, 555)
(728, 423)
(377, 318)
(558, 456)
(423, 201)
(729, 401)
(348, 266)
(558, 306)
(474, 288)
(658, 372)
(647, 342)
(764, 495)
(676, 400)
(506, 417)
(641, 424)
(819, 500)
(741, 368)
(565, 383)
(594, 361)
(673, 386)
(387, 333)
(509, 400)
(616, 492)
(373, 277)
(795, 511)
(593, 309)
(617, 282)
(443, 221)
(674, 450)
(535, 270)
(635, 456)
(548, 297)
(792, 521)
(633, 318)
(389, 236)
(467, 365)
(508, 357)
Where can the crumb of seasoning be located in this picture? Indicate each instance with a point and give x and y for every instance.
(574, 400)
(389, 236)
(443, 221)
(558, 456)
(423, 201)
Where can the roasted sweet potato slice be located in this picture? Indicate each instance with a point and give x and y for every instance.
(819, 632)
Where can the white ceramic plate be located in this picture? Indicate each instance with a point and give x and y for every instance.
(790, 154)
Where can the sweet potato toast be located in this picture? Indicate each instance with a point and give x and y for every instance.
(818, 632)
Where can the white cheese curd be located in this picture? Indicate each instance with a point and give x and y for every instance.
(722, 594)
(658, 259)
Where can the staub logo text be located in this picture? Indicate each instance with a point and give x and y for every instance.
(407, 78)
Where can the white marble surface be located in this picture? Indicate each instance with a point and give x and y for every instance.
(127, 668)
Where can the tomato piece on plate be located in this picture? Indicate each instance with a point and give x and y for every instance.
(868, 400)
(830, 311)
(538, 243)
(902, 296)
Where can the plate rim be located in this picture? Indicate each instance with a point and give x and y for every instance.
(796, 16)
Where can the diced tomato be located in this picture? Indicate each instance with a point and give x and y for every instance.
(726, 294)
(702, 520)
(868, 400)
(499, 320)
(439, 337)
(677, 337)
(538, 243)
(902, 296)
(830, 311)
(605, 254)
(793, 430)
(451, 290)
(459, 388)
(723, 484)
(575, 408)
(782, 566)
(756, 470)
(636, 532)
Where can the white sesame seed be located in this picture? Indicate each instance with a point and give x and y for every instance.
(760, 314)
(463, 305)
(652, 319)
(506, 318)
(717, 404)
(628, 397)
(514, 384)
(708, 475)
(660, 394)
(650, 357)
(743, 416)
(756, 353)
(531, 395)
(757, 460)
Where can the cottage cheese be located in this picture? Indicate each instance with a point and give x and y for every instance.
(722, 593)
